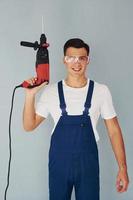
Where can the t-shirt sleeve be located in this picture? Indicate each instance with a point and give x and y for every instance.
(107, 108)
(41, 107)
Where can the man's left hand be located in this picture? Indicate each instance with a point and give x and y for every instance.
(122, 181)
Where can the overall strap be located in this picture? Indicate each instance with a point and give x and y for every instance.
(87, 104)
(61, 98)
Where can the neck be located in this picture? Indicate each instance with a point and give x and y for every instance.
(76, 82)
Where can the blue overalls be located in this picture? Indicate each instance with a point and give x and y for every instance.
(73, 154)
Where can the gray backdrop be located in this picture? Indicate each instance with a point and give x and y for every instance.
(107, 26)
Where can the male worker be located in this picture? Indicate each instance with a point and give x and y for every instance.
(75, 104)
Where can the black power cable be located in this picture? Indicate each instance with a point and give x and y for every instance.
(10, 144)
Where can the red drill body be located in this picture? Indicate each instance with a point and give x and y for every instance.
(42, 62)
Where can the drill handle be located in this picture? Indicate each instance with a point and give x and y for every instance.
(34, 45)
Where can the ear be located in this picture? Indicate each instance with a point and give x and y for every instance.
(88, 60)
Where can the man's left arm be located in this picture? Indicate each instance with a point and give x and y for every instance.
(116, 139)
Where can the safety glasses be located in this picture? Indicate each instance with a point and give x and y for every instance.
(74, 59)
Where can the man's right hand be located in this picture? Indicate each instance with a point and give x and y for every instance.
(36, 89)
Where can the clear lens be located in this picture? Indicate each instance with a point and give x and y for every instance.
(83, 58)
(69, 59)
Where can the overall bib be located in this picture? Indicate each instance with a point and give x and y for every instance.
(73, 154)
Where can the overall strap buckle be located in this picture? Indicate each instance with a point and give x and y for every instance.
(64, 112)
(86, 110)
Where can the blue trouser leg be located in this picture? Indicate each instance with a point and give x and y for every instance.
(86, 178)
(60, 177)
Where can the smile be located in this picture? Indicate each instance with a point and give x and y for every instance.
(76, 70)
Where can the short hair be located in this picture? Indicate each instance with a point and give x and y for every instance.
(76, 43)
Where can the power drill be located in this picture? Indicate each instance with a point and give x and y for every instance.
(42, 61)
(42, 71)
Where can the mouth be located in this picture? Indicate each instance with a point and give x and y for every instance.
(76, 69)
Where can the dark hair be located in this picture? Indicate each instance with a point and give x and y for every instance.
(76, 43)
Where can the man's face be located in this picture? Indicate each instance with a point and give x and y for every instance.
(76, 61)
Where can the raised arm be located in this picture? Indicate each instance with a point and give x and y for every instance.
(30, 119)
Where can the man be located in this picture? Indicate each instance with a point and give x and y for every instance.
(75, 104)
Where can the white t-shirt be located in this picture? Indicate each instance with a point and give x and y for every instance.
(101, 103)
